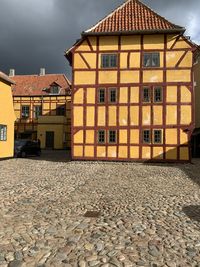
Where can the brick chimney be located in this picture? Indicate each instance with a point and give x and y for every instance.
(42, 71)
(12, 73)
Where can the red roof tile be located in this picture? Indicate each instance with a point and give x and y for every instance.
(133, 16)
(39, 85)
(4, 77)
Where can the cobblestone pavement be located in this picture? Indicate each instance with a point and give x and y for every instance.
(149, 215)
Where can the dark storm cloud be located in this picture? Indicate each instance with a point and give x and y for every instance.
(35, 33)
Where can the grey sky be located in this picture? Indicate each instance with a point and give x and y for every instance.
(35, 33)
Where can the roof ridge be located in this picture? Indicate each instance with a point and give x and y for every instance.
(109, 15)
(162, 17)
(37, 75)
(135, 4)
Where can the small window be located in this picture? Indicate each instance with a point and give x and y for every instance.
(157, 136)
(54, 90)
(101, 137)
(112, 136)
(109, 60)
(25, 112)
(61, 110)
(37, 111)
(158, 94)
(113, 95)
(146, 136)
(146, 94)
(3, 133)
(101, 95)
(151, 60)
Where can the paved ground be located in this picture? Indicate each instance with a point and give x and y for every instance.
(149, 215)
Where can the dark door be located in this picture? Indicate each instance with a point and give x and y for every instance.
(50, 140)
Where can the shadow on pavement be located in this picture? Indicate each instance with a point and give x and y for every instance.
(193, 212)
(53, 156)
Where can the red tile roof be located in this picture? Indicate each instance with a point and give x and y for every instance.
(4, 77)
(39, 85)
(133, 16)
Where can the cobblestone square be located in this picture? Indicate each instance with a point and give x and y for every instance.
(147, 214)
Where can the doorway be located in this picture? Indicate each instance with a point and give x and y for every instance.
(50, 140)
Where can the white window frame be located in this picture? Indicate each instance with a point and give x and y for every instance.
(23, 116)
(3, 132)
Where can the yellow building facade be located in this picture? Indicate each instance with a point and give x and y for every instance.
(7, 117)
(44, 110)
(132, 94)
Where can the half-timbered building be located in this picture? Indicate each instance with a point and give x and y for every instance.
(42, 107)
(132, 88)
(7, 117)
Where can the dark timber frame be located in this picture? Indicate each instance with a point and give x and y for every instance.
(180, 127)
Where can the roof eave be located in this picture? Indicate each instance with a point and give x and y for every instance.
(177, 30)
(9, 81)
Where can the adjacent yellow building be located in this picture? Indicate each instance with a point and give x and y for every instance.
(7, 117)
(132, 88)
(42, 105)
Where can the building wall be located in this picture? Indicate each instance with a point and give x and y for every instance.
(7, 118)
(49, 121)
(197, 93)
(56, 124)
(130, 116)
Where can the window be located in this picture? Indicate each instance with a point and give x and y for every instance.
(101, 95)
(37, 111)
(157, 136)
(158, 94)
(3, 132)
(112, 136)
(25, 112)
(109, 60)
(54, 90)
(101, 137)
(61, 110)
(113, 95)
(151, 60)
(146, 137)
(146, 94)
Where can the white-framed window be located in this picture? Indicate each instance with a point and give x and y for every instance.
(25, 112)
(146, 94)
(157, 136)
(151, 60)
(112, 95)
(3, 132)
(112, 136)
(101, 95)
(108, 60)
(154, 94)
(101, 137)
(158, 94)
(152, 137)
(146, 137)
(37, 111)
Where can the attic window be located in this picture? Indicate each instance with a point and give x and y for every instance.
(54, 90)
